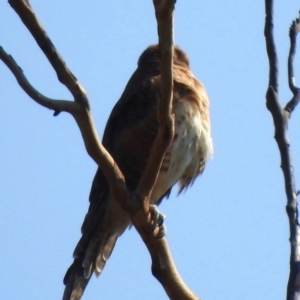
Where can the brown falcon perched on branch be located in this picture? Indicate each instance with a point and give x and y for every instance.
(129, 134)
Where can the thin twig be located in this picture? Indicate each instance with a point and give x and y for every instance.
(56, 105)
(294, 30)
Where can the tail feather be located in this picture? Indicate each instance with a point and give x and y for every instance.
(94, 219)
(104, 254)
(80, 272)
(103, 224)
(75, 281)
(100, 246)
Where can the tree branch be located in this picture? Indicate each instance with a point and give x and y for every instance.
(163, 267)
(280, 119)
(164, 15)
(85, 123)
(79, 109)
(271, 49)
(56, 105)
(294, 29)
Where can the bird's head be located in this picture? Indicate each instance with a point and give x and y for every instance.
(151, 55)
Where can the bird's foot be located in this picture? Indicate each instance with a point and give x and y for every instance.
(157, 220)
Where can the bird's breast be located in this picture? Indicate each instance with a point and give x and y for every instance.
(191, 147)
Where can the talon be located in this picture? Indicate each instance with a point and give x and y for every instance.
(157, 220)
(160, 220)
(162, 232)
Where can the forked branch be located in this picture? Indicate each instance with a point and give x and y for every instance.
(280, 119)
(79, 108)
(162, 265)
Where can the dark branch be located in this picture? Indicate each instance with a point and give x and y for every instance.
(294, 29)
(271, 50)
(280, 119)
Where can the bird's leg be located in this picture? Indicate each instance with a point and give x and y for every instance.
(157, 220)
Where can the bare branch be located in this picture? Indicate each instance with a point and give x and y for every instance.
(79, 109)
(164, 270)
(164, 15)
(64, 75)
(294, 29)
(56, 105)
(163, 267)
(280, 119)
(281, 137)
(271, 49)
(85, 123)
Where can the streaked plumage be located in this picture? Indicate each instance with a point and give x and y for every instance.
(129, 135)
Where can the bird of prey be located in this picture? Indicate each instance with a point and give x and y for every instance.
(129, 134)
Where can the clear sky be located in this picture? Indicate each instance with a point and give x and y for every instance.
(228, 234)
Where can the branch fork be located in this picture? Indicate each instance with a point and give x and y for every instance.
(280, 118)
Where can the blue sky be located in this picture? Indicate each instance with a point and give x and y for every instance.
(228, 234)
